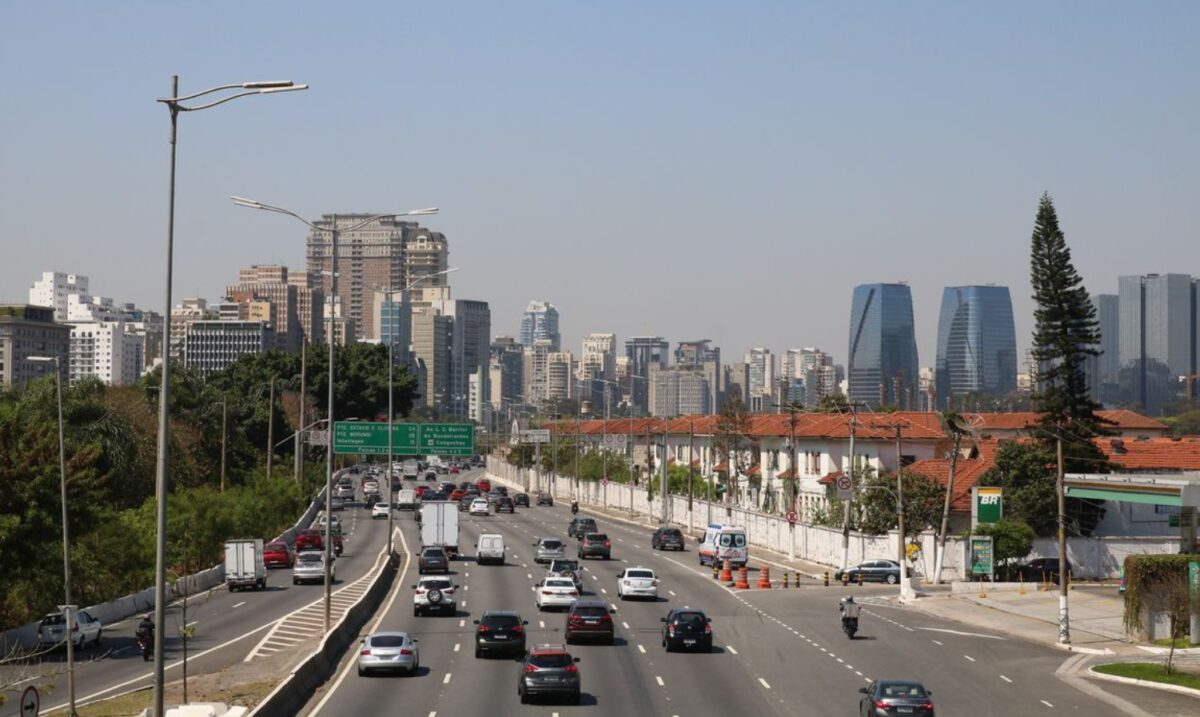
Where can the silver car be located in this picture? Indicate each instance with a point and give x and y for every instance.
(388, 651)
(549, 549)
(310, 567)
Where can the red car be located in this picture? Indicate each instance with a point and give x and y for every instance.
(313, 539)
(454, 470)
(485, 485)
(457, 494)
(420, 490)
(278, 555)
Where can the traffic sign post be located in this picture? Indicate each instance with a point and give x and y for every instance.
(31, 702)
(845, 487)
(792, 517)
(440, 439)
(536, 435)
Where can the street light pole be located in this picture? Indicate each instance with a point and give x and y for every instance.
(270, 429)
(224, 432)
(174, 107)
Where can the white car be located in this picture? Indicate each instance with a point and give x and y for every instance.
(337, 523)
(479, 506)
(434, 594)
(556, 592)
(310, 568)
(637, 582)
(380, 510)
(52, 628)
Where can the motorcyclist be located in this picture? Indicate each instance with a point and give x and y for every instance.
(849, 609)
(145, 635)
(574, 507)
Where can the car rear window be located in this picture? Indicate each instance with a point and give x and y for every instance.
(902, 690)
(572, 565)
(549, 661)
(639, 574)
(434, 553)
(590, 611)
(442, 584)
(501, 620)
(53, 619)
(551, 544)
(690, 618)
(596, 536)
(387, 641)
(672, 533)
(310, 557)
(560, 583)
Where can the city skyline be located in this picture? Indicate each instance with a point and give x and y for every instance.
(803, 221)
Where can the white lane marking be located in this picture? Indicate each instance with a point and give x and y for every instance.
(466, 588)
(462, 623)
(1006, 679)
(529, 575)
(731, 649)
(625, 625)
(672, 592)
(446, 679)
(240, 604)
(641, 649)
(972, 659)
(955, 632)
(466, 575)
(433, 714)
(764, 683)
(603, 591)
(1046, 703)
(858, 673)
(868, 679)
(938, 642)
(464, 604)
(659, 681)
(456, 646)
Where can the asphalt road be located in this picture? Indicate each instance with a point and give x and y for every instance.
(778, 652)
(228, 625)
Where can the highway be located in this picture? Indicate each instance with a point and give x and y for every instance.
(778, 652)
(229, 625)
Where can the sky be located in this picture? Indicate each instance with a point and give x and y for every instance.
(687, 169)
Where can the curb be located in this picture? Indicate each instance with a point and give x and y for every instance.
(1161, 686)
(1082, 650)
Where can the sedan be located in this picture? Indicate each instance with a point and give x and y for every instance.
(457, 494)
(887, 698)
(500, 631)
(380, 510)
(433, 560)
(555, 592)
(479, 506)
(882, 571)
(86, 631)
(521, 499)
(589, 619)
(278, 555)
(388, 651)
(310, 568)
(504, 504)
(637, 582)
(464, 504)
(687, 629)
(544, 498)
(667, 539)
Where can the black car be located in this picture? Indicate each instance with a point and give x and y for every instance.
(548, 670)
(521, 499)
(434, 495)
(880, 571)
(504, 504)
(589, 619)
(447, 487)
(501, 489)
(433, 560)
(545, 498)
(1040, 570)
(581, 526)
(667, 539)
(886, 698)
(500, 631)
(595, 545)
(687, 629)
(465, 504)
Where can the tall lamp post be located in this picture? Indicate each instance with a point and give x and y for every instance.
(391, 389)
(334, 231)
(174, 104)
(68, 607)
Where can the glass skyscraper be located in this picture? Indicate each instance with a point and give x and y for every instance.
(540, 322)
(882, 369)
(1158, 338)
(976, 344)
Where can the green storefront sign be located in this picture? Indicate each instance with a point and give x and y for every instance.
(982, 562)
(987, 505)
(442, 439)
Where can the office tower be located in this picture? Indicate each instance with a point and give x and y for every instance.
(268, 295)
(540, 322)
(426, 253)
(1157, 328)
(393, 321)
(370, 256)
(599, 358)
(27, 330)
(882, 366)
(109, 351)
(560, 374)
(211, 346)
(506, 373)
(1104, 370)
(700, 356)
(679, 392)
(737, 377)
(310, 307)
(431, 340)
(184, 313)
(762, 370)
(976, 345)
(470, 332)
(53, 290)
(644, 352)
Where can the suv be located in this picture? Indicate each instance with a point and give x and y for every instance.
(434, 594)
(1041, 570)
(548, 549)
(595, 545)
(500, 631)
(687, 628)
(665, 538)
(567, 569)
(505, 504)
(545, 498)
(589, 618)
(433, 559)
(581, 526)
(521, 499)
(548, 670)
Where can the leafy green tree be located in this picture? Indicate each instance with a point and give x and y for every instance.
(1011, 540)
(923, 499)
(1185, 424)
(832, 403)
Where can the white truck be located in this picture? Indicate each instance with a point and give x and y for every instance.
(439, 525)
(244, 567)
(411, 469)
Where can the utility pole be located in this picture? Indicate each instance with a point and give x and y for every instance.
(224, 433)
(904, 577)
(1064, 614)
(846, 503)
(665, 483)
(270, 429)
(955, 428)
(298, 459)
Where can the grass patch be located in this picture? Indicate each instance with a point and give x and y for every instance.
(132, 704)
(1151, 672)
(1180, 643)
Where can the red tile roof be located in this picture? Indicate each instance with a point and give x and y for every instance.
(1021, 420)
(1153, 454)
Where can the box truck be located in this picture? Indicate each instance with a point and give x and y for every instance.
(439, 525)
(244, 567)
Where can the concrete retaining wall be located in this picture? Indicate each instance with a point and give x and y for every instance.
(1102, 558)
(295, 690)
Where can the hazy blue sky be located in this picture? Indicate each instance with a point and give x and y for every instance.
(692, 169)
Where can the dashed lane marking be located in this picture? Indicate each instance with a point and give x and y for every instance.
(938, 642)
(731, 649)
(1046, 703)
(641, 649)
(240, 604)
(1006, 679)
(446, 679)
(764, 683)
(659, 680)
(456, 646)
(625, 625)
(972, 659)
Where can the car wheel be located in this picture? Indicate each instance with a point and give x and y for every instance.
(891, 579)
(96, 642)
(295, 581)
(524, 697)
(416, 612)
(576, 698)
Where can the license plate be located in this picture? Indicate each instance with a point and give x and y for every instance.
(689, 642)
(501, 637)
(592, 622)
(551, 679)
(904, 710)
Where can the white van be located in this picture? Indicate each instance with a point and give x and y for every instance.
(724, 542)
(406, 499)
(490, 549)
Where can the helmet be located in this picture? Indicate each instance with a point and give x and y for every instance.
(848, 598)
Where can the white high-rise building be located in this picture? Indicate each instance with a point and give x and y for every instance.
(762, 369)
(599, 359)
(107, 351)
(53, 290)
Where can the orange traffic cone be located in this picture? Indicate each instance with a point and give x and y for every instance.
(743, 580)
(727, 574)
(764, 577)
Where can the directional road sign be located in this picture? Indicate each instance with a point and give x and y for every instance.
(536, 435)
(441, 439)
(31, 702)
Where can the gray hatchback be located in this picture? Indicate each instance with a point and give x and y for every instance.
(548, 549)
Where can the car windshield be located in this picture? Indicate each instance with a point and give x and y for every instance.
(595, 537)
(639, 574)
(387, 641)
(549, 661)
(902, 689)
(591, 611)
(500, 620)
(551, 544)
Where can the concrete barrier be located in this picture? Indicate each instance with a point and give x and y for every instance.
(295, 690)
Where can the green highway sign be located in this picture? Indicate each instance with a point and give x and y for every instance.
(440, 439)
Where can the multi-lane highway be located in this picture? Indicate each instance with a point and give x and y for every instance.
(229, 626)
(777, 652)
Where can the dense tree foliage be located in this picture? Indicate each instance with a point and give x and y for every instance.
(923, 498)
(1026, 472)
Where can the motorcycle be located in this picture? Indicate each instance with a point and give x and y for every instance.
(850, 626)
(146, 645)
(574, 508)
